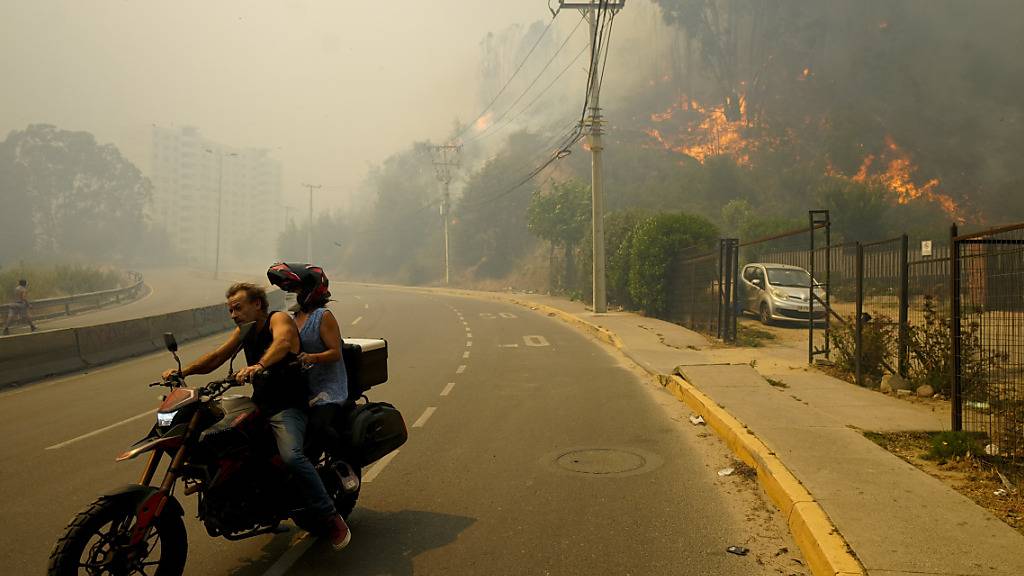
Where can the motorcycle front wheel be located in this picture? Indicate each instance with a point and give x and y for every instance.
(96, 543)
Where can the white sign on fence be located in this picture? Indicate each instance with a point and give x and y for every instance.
(926, 247)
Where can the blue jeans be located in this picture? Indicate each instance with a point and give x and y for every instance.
(289, 428)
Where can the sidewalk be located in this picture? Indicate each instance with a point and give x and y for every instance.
(897, 519)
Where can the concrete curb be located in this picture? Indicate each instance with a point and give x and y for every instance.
(823, 547)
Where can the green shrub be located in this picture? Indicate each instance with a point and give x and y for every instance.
(947, 445)
(656, 242)
(878, 340)
(618, 241)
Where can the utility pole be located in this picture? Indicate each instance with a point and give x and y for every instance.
(309, 229)
(220, 203)
(592, 10)
(446, 157)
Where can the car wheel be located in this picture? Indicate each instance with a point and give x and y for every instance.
(765, 314)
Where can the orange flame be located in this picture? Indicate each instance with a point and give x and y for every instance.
(713, 135)
(897, 178)
(483, 122)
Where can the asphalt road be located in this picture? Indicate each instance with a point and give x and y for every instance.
(532, 450)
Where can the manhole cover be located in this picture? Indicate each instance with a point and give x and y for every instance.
(601, 461)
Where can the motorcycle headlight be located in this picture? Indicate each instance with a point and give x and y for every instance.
(165, 418)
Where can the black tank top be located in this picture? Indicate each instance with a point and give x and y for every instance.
(282, 385)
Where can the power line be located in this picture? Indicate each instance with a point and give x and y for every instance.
(599, 38)
(510, 79)
(487, 131)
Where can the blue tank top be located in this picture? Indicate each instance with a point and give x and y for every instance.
(328, 383)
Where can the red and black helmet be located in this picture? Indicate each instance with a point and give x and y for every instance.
(306, 281)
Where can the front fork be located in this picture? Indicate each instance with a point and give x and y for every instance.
(154, 504)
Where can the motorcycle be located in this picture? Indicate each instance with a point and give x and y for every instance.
(223, 452)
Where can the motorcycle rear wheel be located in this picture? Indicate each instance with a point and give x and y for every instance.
(95, 543)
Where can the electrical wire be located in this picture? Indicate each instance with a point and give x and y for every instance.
(550, 61)
(514, 117)
(598, 39)
(510, 78)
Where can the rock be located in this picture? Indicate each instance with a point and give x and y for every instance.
(925, 391)
(885, 388)
(902, 393)
(896, 382)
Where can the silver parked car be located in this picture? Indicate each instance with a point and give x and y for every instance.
(778, 292)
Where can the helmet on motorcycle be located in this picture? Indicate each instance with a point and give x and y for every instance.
(306, 281)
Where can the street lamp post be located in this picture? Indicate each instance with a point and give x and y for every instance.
(309, 229)
(220, 203)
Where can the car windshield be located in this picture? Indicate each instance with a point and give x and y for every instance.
(788, 277)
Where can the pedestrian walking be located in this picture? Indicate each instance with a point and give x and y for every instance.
(18, 310)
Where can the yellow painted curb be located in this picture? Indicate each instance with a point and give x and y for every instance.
(824, 549)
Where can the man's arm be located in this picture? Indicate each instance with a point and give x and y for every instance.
(211, 361)
(286, 339)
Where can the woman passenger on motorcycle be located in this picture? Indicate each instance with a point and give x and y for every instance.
(320, 354)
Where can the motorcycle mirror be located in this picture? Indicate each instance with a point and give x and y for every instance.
(169, 342)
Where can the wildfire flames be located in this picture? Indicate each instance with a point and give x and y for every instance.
(714, 134)
(706, 132)
(897, 178)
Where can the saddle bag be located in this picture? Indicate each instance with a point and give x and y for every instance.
(377, 430)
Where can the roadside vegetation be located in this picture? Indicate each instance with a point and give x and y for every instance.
(957, 459)
(59, 280)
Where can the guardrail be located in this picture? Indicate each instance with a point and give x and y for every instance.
(68, 305)
(46, 353)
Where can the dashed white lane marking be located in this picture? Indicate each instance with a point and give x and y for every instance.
(291, 556)
(460, 369)
(469, 343)
(469, 334)
(465, 354)
(377, 468)
(467, 328)
(448, 389)
(535, 340)
(424, 417)
(101, 430)
(356, 321)
(508, 345)
(359, 297)
(366, 306)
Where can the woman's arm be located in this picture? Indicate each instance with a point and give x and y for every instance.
(330, 334)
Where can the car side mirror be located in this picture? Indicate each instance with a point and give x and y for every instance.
(170, 343)
(756, 282)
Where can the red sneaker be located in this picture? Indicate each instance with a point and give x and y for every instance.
(338, 532)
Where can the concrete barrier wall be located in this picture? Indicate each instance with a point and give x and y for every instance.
(105, 343)
(38, 355)
(41, 354)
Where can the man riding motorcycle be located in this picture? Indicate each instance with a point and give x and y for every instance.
(272, 348)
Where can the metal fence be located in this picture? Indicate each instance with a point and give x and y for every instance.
(68, 305)
(987, 302)
(703, 290)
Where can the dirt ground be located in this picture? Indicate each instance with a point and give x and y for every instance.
(971, 477)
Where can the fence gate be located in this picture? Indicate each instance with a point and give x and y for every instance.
(987, 317)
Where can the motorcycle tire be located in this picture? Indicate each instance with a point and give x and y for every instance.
(73, 549)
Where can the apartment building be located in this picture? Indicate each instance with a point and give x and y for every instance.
(195, 179)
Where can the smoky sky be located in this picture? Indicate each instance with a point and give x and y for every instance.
(329, 87)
